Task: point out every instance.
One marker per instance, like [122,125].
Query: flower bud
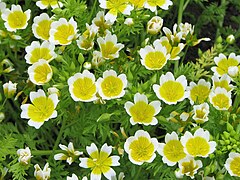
[219,39]
[9,89]
[42,174]
[87,65]
[154,25]
[24,155]
[53,90]
[230,39]
[2,116]
[129,21]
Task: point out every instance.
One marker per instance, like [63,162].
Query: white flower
[154,58]
[172,150]
[111,86]
[82,87]
[100,161]
[174,51]
[41,26]
[42,174]
[53,90]
[223,82]
[226,65]
[173,37]
[154,25]
[109,46]
[186,29]
[198,93]
[70,154]
[232,164]
[40,72]
[15,18]
[9,89]
[101,23]
[200,112]
[114,8]
[43,4]
[198,145]
[37,51]
[24,155]
[170,90]
[42,108]
[220,99]
[63,32]
[141,112]
[188,167]
[97,59]
[152,4]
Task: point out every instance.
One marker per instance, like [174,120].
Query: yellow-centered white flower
[15,18]
[141,112]
[189,167]
[100,161]
[41,26]
[63,32]
[220,99]
[170,90]
[198,93]
[232,164]
[111,86]
[42,108]
[24,156]
[141,147]
[74,177]
[37,51]
[153,4]
[230,65]
[82,87]
[115,7]
[109,46]
[223,82]
[70,155]
[172,150]
[42,174]
[40,72]
[154,58]
[44,4]
[200,113]
[198,145]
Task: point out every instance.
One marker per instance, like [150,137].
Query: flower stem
[93,8]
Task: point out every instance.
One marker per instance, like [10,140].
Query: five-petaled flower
[42,108]
[232,164]
[100,161]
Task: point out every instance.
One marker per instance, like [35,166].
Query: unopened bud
[154,25]
[230,39]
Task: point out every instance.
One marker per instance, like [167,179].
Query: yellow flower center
[63,33]
[112,86]
[40,53]
[108,50]
[172,91]
[41,73]
[100,163]
[155,60]
[142,149]
[84,88]
[49,2]
[142,112]
[173,150]
[223,84]
[156,2]
[199,93]
[41,109]
[17,19]
[224,64]
[197,146]
[235,166]
[43,29]
[188,167]
[221,101]
[137,3]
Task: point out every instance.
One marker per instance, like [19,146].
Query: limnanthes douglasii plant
[119,89]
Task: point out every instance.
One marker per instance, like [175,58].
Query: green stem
[4,102]
[59,137]
[185,5]
[220,23]
[93,8]
[236,102]
[138,173]
[45,152]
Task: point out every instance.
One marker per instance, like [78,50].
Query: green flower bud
[229,127]
[80,58]
[226,134]
[219,46]
[227,142]
[229,147]
[219,39]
